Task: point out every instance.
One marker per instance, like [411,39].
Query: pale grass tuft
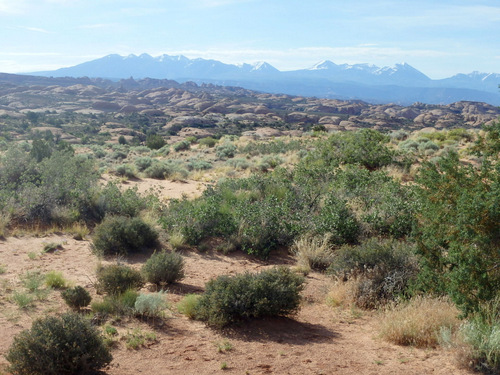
[197,175]
[176,240]
[313,252]
[79,231]
[419,322]
[342,294]
[396,172]
[151,219]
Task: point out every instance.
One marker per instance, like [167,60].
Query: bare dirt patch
[318,340]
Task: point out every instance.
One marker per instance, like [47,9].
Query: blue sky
[438,37]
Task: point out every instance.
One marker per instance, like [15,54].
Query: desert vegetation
[399,225]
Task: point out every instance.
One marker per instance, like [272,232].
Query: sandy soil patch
[318,340]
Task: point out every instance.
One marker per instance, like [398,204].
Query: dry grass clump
[419,322]
[313,252]
[342,294]
[4,224]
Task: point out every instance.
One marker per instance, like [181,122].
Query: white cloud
[11,6]
[37,30]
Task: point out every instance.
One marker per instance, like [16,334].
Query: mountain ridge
[401,83]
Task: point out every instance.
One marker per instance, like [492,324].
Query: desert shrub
[198,165]
[271,161]
[39,191]
[150,305]
[313,252]
[383,206]
[225,151]
[383,270]
[458,234]
[112,201]
[419,321]
[141,149]
[22,299]
[481,335]
[118,155]
[192,139]
[207,142]
[155,141]
[182,145]
[32,280]
[143,163]
[123,235]
[399,135]
[409,145]
[227,299]
[159,170]
[55,279]
[188,305]
[458,134]
[271,147]
[99,152]
[365,147]
[238,163]
[125,170]
[336,218]
[116,279]
[198,219]
[65,345]
[163,268]
[76,297]
[116,304]
[425,146]
[163,151]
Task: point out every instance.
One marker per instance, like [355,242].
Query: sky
[438,37]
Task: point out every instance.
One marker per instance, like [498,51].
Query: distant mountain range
[401,84]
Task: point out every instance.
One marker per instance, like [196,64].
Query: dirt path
[318,340]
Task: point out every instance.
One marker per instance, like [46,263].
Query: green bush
[336,218]
[65,345]
[55,279]
[123,235]
[458,234]
[482,333]
[198,165]
[238,163]
[125,170]
[365,147]
[76,297]
[207,142]
[121,304]
[155,141]
[182,145]
[384,270]
[158,170]
[143,163]
[150,305]
[188,305]
[225,151]
[112,201]
[116,279]
[163,268]
[227,299]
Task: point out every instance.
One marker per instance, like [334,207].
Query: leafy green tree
[40,150]
[155,141]
[459,232]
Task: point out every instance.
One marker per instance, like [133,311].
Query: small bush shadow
[280,330]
